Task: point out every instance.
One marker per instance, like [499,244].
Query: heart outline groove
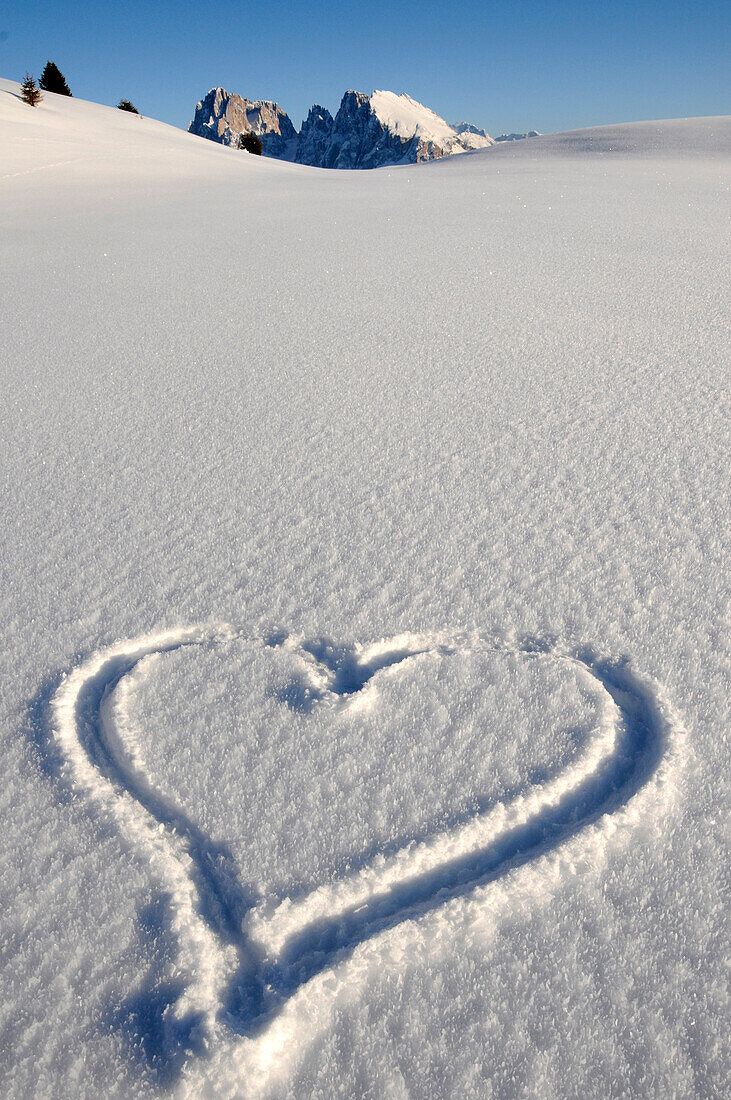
[244,963]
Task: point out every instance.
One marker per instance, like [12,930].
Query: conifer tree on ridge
[29,91]
[53,80]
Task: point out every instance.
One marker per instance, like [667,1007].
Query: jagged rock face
[353,139]
[314,137]
[367,131]
[223,118]
[381,129]
[359,139]
[349,143]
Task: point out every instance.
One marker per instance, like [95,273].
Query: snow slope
[364,696]
[407,118]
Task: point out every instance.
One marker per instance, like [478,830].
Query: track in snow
[245,963]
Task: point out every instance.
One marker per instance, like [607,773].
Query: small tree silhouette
[53,80]
[29,91]
[125,105]
[251,142]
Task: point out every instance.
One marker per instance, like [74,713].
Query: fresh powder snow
[364,698]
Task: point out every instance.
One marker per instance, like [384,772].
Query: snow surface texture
[443,811]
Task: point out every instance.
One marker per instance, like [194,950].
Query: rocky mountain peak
[368,131]
[223,118]
[314,137]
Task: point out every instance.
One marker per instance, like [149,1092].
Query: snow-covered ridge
[517,137]
[367,131]
[407,118]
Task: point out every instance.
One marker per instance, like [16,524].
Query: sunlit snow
[406,117]
[365,554]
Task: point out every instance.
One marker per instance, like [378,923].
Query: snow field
[485,397]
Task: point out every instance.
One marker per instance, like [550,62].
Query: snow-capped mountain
[518,137]
[466,130]
[472,137]
[368,131]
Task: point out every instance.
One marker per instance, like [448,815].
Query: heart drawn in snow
[244,957]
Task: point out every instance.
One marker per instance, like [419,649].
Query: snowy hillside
[364,688]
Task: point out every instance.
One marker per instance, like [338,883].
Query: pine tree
[251,142]
[29,91]
[53,80]
[125,105]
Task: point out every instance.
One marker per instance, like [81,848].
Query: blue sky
[503,65]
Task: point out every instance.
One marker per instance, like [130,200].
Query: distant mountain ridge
[518,137]
[368,131]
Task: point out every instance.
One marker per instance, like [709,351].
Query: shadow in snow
[223,901]
[157,1039]
[347,672]
[39,733]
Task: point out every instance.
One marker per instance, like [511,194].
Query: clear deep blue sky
[503,65]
